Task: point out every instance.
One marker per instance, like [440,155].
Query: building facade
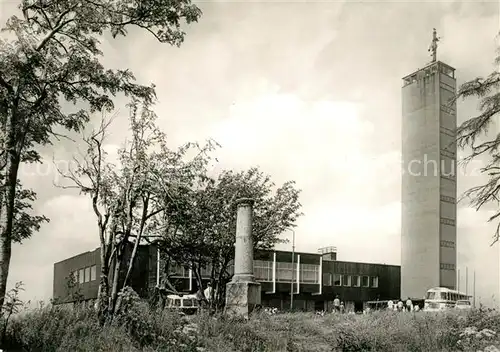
[78,276]
[429,181]
[317,278]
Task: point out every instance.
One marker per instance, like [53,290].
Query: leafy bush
[137,327]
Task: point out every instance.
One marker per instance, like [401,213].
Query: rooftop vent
[328,253]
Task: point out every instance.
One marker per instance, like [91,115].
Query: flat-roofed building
[317,278]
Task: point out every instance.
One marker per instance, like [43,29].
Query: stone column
[243,292]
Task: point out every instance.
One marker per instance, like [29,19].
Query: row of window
[447,87]
[285,271]
[448,153]
[447,221]
[263,271]
[447,109]
[445,266]
[85,275]
[448,199]
[181,271]
[448,244]
[429,72]
[350,280]
[447,71]
[447,131]
[449,176]
[309,273]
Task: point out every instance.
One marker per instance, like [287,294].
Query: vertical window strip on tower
[448,199]
[447,221]
[448,244]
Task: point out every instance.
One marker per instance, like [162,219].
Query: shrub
[137,327]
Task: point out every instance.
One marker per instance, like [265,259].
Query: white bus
[442,298]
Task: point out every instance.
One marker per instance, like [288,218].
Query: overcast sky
[309,92]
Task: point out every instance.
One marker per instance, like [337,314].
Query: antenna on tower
[433,47]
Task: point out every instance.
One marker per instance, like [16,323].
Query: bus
[442,298]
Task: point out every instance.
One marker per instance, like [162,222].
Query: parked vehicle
[187,304]
[463,304]
[442,298]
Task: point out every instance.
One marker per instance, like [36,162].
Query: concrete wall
[420,187]
[428,183]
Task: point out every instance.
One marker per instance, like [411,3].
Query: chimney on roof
[328,253]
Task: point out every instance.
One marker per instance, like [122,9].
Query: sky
[307,91]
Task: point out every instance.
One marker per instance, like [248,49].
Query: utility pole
[467,281]
[293,269]
[474,291]
[458,280]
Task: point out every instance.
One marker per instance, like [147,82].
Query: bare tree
[93,175]
[127,198]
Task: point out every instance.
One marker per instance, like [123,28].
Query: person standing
[336,304]
[400,305]
[208,292]
[409,305]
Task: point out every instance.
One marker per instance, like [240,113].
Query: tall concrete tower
[429,182]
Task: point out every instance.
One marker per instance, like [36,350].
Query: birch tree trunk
[7,197]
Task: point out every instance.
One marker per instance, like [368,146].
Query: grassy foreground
[142,329]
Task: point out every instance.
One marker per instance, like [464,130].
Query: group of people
[338,305]
[403,307]
[398,306]
[204,297]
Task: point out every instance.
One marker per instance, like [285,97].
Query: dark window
[447,221]
[448,244]
[87,274]
[327,279]
[356,281]
[81,276]
[93,273]
[446,266]
[365,281]
[263,270]
[448,199]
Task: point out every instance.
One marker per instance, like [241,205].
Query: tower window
[445,266]
[448,199]
[448,244]
[447,221]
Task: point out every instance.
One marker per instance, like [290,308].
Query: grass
[143,329]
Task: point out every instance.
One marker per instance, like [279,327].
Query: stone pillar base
[242,297]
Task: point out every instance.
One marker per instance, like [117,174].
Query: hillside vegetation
[141,328]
